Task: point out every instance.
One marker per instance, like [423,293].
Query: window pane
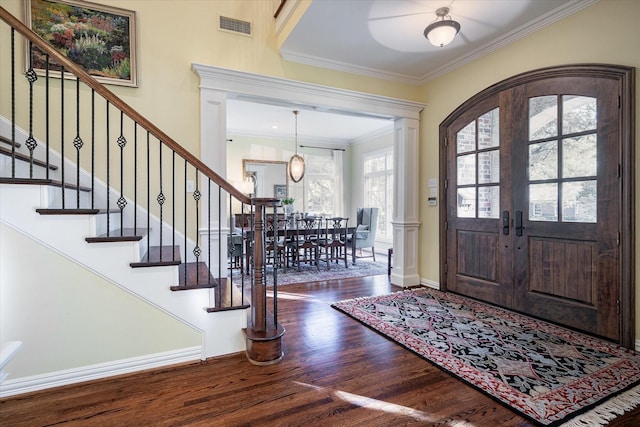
[543,117]
[374,164]
[467,169]
[579,201]
[579,114]
[543,160]
[489,129]
[489,202]
[466,202]
[579,156]
[489,167]
[543,202]
[466,138]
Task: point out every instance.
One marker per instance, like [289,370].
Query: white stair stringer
[65,234]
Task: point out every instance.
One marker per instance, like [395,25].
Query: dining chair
[304,246]
[275,241]
[333,244]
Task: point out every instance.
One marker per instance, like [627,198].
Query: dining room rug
[549,374]
[309,273]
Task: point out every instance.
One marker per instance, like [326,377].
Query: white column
[405,218]
[213,152]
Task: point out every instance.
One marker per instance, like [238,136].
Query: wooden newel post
[263,335]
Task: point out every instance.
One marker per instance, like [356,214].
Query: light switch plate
[433,182]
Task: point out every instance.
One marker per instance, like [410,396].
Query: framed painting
[279,191]
[100,39]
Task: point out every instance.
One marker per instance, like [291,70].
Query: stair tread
[229,297]
[26,158]
[159,256]
[8,141]
[43,181]
[49,211]
[197,276]
[119,235]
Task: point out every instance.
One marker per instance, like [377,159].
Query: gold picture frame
[100,39]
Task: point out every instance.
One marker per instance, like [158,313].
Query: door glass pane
[467,169]
[489,167]
[543,117]
[467,202]
[466,138]
[579,201]
[489,202]
[543,160]
[579,156]
[489,129]
[579,114]
[543,202]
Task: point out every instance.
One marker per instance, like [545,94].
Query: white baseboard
[430,283]
[637,344]
[102,370]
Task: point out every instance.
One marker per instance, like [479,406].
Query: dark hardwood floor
[336,372]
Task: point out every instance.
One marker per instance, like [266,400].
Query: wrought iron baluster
[108,176]
[135,178]
[148,193]
[13,103]
[173,208]
[93,148]
[78,143]
[211,293]
[161,197]
[122,142]
[46,82]
[185,225]
[31,141]
[196,250]
[62,162]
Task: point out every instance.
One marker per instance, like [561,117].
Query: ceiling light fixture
[441,33]
[296,162]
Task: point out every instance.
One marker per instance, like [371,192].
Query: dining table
[289,232]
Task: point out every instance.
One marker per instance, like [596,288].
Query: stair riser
[22,169]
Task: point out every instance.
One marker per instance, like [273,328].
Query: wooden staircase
[191,275]
[143,229]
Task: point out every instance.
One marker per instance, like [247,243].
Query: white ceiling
[384,39]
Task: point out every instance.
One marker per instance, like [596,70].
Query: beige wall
[69,317]
[174,34]
[572,40]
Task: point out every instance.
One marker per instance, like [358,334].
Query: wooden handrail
[120,104]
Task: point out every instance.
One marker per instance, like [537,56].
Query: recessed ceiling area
[384,39]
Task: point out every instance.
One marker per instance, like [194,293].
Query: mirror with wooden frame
[269,177]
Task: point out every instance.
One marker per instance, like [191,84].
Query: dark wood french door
[535,201]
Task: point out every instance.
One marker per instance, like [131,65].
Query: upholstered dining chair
[365,234]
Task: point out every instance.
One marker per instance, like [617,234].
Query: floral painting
[98,38]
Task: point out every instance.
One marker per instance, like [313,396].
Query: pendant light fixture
[296,162]
[441,33]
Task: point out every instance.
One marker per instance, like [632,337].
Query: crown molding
[307,94]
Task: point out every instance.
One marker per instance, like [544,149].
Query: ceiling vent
[235,25]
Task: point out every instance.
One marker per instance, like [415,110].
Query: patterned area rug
[309,273]
[547,373]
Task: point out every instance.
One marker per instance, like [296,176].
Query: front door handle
[505,223]
[519,226]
